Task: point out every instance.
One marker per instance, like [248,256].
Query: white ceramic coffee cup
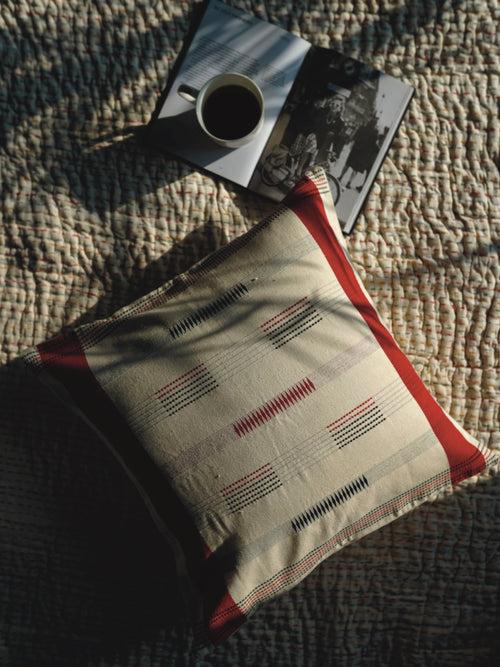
[199,97]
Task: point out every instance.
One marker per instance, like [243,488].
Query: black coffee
[231,112]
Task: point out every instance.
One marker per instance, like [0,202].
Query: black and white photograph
[341,114]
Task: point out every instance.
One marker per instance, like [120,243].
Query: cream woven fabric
[270,397]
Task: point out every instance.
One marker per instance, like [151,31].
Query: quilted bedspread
[91,219]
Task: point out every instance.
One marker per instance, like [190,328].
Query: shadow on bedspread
[88,578]
[85,577]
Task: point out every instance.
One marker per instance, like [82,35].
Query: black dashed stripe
[329,503]
[292,321]
[259,487]
[210,310]
[201,393]
[181,392]
[297,331]
[357,422]
[193,390]
[95,334]
[184,396]
[360,433]
[359,428]
[257,496]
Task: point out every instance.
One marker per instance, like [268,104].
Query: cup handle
[188,93]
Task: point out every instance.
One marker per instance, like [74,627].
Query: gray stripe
[230,554]
[198,453]
[403,456]
[246,352]
[320,445]
[344,361]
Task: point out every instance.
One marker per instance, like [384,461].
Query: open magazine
[320,107]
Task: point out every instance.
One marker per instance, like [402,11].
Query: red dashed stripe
[284,314]
[297,570]
[278,404]
[293,572]
[247,479]
[308,206]
[355,412]
[182,379]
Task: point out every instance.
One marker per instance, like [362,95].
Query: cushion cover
[264,411]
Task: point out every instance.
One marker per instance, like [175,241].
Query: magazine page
[228,40]
[341,114]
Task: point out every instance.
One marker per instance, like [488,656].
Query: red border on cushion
[305,201]
[64,358]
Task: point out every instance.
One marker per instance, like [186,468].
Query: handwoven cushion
[264,410]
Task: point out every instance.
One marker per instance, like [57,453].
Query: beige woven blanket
[90,219]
